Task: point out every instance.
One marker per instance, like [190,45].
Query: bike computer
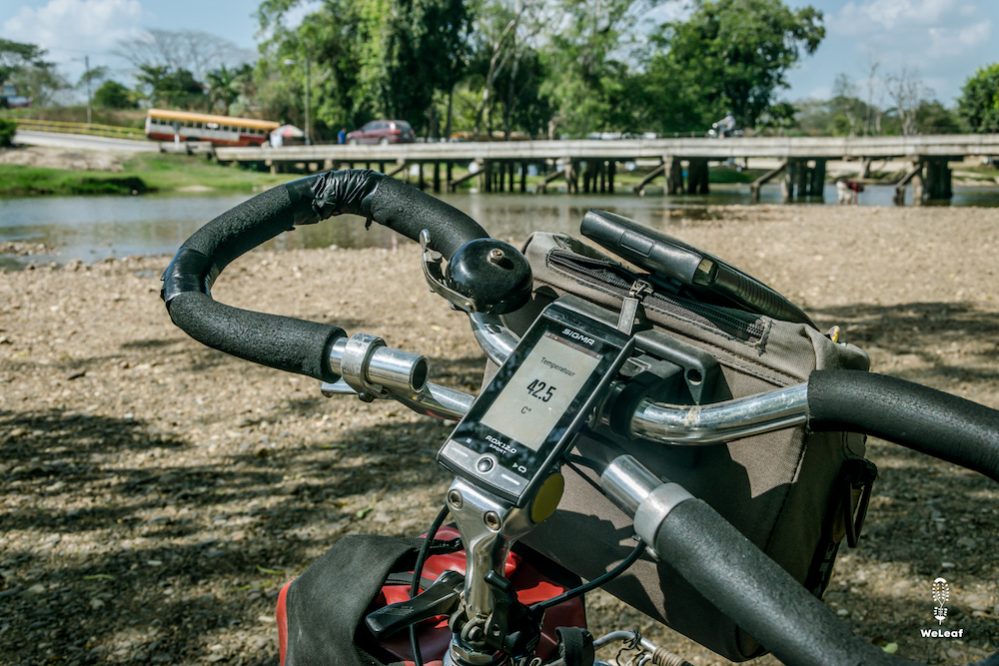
[528,415]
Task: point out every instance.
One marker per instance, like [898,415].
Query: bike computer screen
[525,419]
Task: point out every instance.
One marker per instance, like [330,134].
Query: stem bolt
[454,499]
[492,520]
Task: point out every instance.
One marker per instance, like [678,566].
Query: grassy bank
[139,175]
[150,173]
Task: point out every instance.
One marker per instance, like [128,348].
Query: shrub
[7,129]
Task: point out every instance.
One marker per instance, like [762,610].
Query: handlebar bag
[791,492]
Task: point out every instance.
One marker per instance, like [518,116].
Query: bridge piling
[663,168]
[754,188]
[697,176]
[674,175]
[803,178]
[931,178]
[938,180]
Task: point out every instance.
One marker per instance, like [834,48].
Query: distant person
[341,136]
[725,127]
[848,191]
[277,140]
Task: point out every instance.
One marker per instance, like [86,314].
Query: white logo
[576,335]
[941,595]
[940,590]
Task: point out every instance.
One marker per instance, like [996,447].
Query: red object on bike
[434,636]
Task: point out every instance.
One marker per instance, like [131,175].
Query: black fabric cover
[286,343]
[758,594]
[326,604]
[924,419]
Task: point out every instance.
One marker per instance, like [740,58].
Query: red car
[383,131]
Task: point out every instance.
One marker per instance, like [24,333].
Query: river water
[94,228]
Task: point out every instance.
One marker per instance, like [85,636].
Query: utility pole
[86,69]
[308,100]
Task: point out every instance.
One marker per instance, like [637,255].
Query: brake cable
[600,580]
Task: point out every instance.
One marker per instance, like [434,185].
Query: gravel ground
[64,158]
[156,494]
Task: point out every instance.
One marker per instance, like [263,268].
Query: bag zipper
[748,327]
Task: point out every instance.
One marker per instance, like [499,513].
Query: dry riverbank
[156,494]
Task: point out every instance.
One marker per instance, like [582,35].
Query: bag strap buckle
[860,477]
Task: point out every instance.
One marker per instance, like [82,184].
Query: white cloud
[76,26]
[865,17]
[957,41]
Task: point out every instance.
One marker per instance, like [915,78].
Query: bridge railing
[734,148]
[89,129]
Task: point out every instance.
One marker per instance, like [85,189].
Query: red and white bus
[166,125]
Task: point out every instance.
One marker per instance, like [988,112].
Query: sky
[944,40]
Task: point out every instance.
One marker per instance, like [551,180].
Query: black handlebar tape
[915,416]
[396,205]
[756,593]
[287,343]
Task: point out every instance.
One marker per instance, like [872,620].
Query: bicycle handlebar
[731,572]
[286,343]
[762,598]
[918,417]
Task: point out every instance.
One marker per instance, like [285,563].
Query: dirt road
[156,494]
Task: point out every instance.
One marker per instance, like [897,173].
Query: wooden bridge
[682,163]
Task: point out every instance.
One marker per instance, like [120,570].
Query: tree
[979,102]
[24,66]
[587,76]
[225,85]
[113,95]
[15,56]
[907,91]
[196,51]
[368,58]
[176,88]
[932,117]
[729,56]
[92,76]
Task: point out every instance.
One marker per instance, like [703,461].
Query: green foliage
[729,56]
[113,95]
[145,173]
[367,59]
[174,88]
[226,85]
[932,117]
[22,180]
[15,56]
[979,102]
[846,115]
[24,66]
[534,66]
[7,130]
[589,85]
